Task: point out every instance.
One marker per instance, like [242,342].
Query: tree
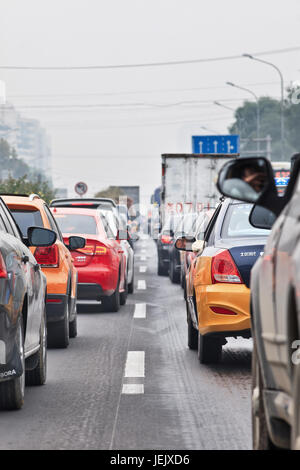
[270,109]
[23,185]
[10,162]
[112,192]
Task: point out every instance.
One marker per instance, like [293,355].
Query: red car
[101,264]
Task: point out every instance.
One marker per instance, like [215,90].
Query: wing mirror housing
[198,246]
[38,236]
[184,243]
[75,243]
[250,180]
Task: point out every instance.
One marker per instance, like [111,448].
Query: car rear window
[236,223]
[26,219]
[77,223]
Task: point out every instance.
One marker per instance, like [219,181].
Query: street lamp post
[257,110]
[249,56]
[239,119]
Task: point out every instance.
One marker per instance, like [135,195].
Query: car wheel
[209,349]
[73,325]
[192,334]
[112,303]
[173,275]
[131,284]
[58,332]
[161,269]
[260,434]
[123,295]
[12,391]
[37,376]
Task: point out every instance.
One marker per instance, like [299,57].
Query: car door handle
[25,259]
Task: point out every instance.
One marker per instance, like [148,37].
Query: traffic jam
[149,228]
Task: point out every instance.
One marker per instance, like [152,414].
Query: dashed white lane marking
[143,269]
[143,258]
[143,252]
[141,285]
[132,389]
[140,311]
[135,364]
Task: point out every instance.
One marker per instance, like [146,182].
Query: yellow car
[218,294]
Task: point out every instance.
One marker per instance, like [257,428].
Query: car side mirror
[184,243]
[123,235]
[198,246]
[38,236]
[75,243]
[246,179]
[260,217]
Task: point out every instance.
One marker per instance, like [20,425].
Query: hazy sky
[120,142]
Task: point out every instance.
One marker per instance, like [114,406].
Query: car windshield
[236,223]
[26,219]
[77,223]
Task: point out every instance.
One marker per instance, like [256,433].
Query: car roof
[74,210]
[32,200]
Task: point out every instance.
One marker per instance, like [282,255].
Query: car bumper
[55,307]
[86,291]
[229,296]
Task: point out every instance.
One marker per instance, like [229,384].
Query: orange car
[57,264]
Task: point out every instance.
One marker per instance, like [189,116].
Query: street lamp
[239,119]
[249,56]
[257,109]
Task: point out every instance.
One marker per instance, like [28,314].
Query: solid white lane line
[135,364]
[132,389]
[140,311]
[141,285]
[143,269]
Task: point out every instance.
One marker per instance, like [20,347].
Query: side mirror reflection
[38,236]
[245,179]
[185,243]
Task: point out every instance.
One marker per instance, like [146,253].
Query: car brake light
[47,256]
[3,272]
[95,249]
[222,311]
[223,269]
[166,239]
[87,250]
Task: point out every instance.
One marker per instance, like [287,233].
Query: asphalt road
[128,381]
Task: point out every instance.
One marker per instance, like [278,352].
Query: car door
[35,288]
[288,240]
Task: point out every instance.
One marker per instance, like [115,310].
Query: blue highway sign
[218,144]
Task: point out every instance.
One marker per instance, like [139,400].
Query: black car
[165,238]
[23,335]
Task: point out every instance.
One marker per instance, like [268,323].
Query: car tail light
[223,269]
[222,311]
[166,239]
[47,256]
[96,249]
[3,272]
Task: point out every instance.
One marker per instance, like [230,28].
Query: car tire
[112,303]
[192,334]
[37,376]
[161,270]
[209,349]
[173,275]
[131,284]
[260,434]
[123,295]
[73,325]
[12,391]
[58,332]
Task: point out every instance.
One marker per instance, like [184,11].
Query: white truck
[189,182]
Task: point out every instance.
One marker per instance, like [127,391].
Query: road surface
[128,381]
